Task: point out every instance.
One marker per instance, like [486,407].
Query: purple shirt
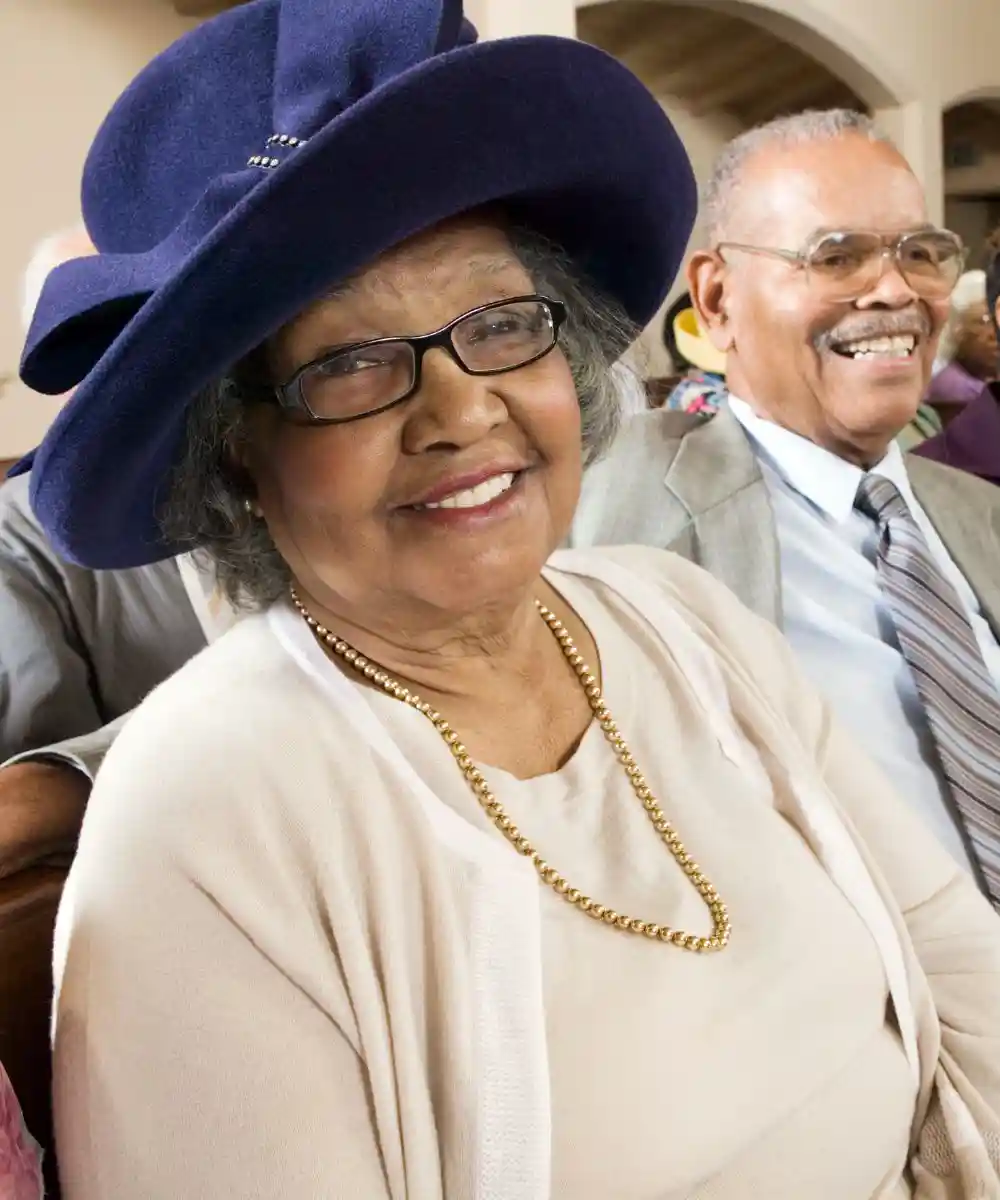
[971,440]
[953,385]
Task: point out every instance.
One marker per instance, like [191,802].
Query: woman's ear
[706,276]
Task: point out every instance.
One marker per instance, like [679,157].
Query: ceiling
[714,62]
[711,61]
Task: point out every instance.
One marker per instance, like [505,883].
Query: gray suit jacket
[78,648]
[692,484]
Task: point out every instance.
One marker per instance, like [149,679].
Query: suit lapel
[969,525]
[715,476]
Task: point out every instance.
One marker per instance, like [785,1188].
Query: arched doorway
[711,62]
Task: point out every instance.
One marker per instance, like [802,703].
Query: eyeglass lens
[500,338]
[848,264]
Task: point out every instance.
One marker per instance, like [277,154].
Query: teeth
[482,493]
[898,346]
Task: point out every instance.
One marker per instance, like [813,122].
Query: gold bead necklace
[721,927]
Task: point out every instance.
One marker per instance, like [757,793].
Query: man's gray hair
[797,129]
[207,509]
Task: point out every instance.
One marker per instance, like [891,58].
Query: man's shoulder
[939,485]
[655,433]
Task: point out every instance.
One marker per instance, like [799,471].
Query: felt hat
[281,147]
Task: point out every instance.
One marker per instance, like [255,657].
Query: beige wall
[704,137]
[63,64]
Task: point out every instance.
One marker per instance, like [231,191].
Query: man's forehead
[793,192]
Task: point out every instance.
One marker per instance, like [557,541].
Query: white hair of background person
[970,290]
[51,252]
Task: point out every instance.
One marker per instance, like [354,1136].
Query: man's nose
[892,289]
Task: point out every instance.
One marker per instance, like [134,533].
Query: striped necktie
[960,699]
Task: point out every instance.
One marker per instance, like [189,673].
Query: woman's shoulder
[648,581]
[238,700]
[673,578]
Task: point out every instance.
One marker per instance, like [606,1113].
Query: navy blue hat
[281,147]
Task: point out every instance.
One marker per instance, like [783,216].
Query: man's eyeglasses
[368,377]
[847,264]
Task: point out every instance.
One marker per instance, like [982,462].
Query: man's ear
[706,276]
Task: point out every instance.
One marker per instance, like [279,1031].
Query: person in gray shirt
[78,650]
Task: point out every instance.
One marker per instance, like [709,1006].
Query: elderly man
[827,287]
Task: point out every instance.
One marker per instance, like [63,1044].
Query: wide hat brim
[560,134]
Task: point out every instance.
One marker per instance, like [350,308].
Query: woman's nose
[452,409]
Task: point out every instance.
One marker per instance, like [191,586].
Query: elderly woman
[461,868]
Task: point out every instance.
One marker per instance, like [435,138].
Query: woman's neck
[442,655]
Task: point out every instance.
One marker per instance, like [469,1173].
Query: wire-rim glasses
[845,264]
[365,378]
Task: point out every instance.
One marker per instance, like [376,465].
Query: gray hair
[207,510]
[797,129]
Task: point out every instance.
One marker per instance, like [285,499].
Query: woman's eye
[500,325]
[352,364]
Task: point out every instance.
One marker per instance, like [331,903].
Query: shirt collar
[826,481]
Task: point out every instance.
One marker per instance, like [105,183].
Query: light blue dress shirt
[837,619]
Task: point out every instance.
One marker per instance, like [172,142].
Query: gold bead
[610,916]
[573,895]
[598,911]
[584,902]
[351,655]
[652,930]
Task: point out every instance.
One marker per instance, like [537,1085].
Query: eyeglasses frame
[890,250]
[290,397]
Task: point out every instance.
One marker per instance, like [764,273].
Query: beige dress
[779,1046]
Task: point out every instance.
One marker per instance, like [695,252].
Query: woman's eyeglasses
[847,264]
[368,377]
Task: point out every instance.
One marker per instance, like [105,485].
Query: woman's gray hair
[209,507]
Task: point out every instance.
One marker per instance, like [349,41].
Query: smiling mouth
[475,497]
[896,346]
